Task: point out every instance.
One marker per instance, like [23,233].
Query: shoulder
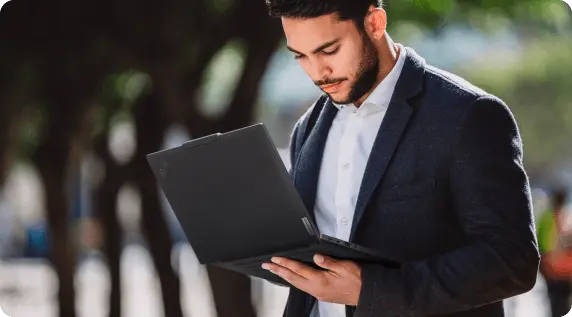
[457,95]
[451,89]
[438,78]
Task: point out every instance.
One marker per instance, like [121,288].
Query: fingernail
[318,258]
[276,260]
[266,267]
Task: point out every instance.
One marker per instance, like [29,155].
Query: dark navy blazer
[444,192]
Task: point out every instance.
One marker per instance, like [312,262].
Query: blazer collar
[394,124]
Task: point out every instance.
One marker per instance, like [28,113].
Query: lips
[331,88]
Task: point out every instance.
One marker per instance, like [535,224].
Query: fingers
[330,264]
[285,273]
[296,267]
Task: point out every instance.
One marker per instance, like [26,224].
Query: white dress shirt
[347,150]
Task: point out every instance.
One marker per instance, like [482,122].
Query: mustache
[329,81]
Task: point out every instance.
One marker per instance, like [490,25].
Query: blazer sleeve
[491,195]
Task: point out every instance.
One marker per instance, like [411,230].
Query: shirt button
[345,221]
[346,166]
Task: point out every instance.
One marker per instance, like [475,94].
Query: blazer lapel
[392,128]
[307,169]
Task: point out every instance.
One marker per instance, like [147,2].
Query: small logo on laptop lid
[163,169]
[308,226]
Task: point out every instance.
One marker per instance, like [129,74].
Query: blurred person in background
[554,241]
[408,160]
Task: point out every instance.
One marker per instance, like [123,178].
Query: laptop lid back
[233,195]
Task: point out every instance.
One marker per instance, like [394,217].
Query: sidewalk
[27,289]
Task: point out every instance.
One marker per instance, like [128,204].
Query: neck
[388,55]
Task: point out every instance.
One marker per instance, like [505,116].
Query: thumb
[328,263]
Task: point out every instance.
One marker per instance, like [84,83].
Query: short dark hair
[305,9]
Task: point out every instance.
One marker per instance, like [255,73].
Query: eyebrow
[318,49]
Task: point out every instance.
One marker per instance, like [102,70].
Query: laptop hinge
[202,141]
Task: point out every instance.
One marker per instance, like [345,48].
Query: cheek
[346,64]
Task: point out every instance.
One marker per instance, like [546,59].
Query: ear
[376,22]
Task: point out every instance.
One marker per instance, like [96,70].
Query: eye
[331,52]
[298,56]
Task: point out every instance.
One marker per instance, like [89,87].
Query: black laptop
[238,207]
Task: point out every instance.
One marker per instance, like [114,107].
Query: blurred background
[88,88]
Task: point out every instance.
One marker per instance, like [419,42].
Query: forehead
[306,34]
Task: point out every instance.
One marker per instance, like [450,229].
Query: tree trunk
[6,127]
[51,160]
[106,210]
[113,239]
[11,100]
[150,129]
[57,154]
[232,293]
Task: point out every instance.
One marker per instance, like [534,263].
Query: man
[408,160]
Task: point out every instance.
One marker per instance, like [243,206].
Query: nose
[318,70]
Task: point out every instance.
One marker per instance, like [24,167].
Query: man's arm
[491,195]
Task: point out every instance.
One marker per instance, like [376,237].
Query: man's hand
[340,283]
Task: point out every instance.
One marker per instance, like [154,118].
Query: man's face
[341,59]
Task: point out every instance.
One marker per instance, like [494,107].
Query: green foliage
[219,7]
[128,85]
[118,94]
[222,77]
[433,14]
[532,86]
[31,130]
[552,13]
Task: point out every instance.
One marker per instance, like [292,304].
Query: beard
[367,71]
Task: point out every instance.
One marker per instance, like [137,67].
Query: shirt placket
[345,174]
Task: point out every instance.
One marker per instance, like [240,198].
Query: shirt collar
[381,96]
